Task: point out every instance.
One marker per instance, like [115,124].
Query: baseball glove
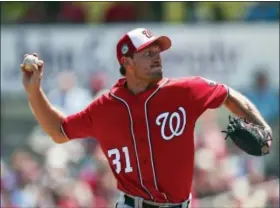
[251,138]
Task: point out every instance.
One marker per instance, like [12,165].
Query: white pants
[138,202]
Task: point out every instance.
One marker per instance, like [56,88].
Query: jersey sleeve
[82,124]
[207,94]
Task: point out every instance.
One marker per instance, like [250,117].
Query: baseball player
[145,123]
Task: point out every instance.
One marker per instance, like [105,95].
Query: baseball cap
[137,40]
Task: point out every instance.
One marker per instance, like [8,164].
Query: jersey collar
[120,90]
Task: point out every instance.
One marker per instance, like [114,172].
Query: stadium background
[236,43]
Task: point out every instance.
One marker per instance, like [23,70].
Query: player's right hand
[32,79]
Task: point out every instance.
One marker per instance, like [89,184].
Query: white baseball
[28,61]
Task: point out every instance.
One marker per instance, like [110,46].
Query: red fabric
[119,12]
[85,123]
[162,145]
[71,12]
[206,93]
[125,40]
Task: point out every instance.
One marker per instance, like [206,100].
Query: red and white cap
[137,40]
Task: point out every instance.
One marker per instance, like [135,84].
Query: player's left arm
[241,106]
[208,94]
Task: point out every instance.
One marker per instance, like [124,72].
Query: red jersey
[148,138]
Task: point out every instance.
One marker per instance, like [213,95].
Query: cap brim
[164,43]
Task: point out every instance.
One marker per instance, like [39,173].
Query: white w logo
[176,128]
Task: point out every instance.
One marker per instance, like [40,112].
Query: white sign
[224,53]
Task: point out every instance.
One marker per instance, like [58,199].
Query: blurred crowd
[151,11]
[76,174]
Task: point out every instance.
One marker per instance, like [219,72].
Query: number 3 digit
[117,162]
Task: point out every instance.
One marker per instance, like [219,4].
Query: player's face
[147,63]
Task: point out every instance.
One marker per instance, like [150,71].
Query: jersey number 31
[117,156]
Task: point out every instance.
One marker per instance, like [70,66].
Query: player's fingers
[26,74]
[36,72]
[40,65]
[35,54]
[269,143]
[34,67]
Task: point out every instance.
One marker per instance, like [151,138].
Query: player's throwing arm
[48,117]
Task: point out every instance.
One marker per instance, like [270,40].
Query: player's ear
[126,62]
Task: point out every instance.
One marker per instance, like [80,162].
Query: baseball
[28,61]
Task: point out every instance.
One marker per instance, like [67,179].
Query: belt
[130,202]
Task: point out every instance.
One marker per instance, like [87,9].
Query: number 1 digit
[127,160]
[117,161]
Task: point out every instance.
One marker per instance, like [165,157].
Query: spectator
[97,83]
[71,12]
[264,96]
[121,12]
[68,96]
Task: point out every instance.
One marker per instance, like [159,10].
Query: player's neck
[138,86]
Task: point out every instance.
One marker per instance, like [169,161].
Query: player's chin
[156,72]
